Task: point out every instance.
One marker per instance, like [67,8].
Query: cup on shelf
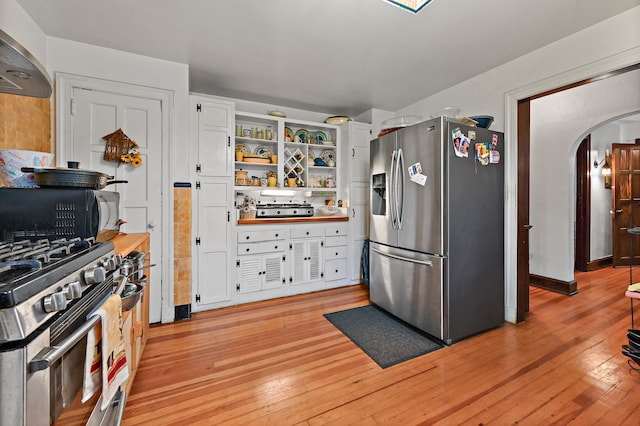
[272,181]
[274,158]
[239,156]
[238,129]
[291,182]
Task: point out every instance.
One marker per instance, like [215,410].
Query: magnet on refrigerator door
[415,174]
[461,146]
[482,153]
[494,156]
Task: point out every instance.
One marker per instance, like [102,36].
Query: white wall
[600,231]
[608,45]
[97,62]
[559,123]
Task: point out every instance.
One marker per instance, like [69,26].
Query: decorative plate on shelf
[319,137]
[263,151]
[288,135]
[240,147]
[302,136]
[328,156]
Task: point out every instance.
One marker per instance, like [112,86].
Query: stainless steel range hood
[20,71]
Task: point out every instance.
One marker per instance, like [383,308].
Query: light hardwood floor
[281,362]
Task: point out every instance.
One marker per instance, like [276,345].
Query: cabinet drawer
[262,247]
[338,229]
[335,241]
[335,269]
[257,236]
[331,253]
[307,232]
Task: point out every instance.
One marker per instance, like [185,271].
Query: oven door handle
[51,354]
[48,356]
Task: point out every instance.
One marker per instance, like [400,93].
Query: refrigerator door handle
[406,259]
[400,181]
[392,203]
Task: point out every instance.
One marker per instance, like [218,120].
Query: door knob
[152,225]
[618,211]
[528,227]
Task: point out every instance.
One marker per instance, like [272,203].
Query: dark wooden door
[523,210]
[583,205]
[625,171]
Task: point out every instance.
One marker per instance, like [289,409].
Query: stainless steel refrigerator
[436,251]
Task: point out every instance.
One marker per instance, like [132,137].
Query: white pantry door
[95,114]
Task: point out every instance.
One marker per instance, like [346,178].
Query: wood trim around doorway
[568,288]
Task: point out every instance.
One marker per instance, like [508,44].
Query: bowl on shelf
[484,121]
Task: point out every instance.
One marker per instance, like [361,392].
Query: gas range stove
[39,279]
[283,210]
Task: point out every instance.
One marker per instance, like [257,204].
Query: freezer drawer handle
[407,259]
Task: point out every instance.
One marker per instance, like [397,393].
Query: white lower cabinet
[262,260]
[335,253]
[261,272]
[306,254]
[281,260]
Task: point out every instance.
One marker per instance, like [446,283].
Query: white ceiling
[335,56]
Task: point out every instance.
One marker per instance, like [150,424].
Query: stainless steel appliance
[437,227]
[283,210]
[48,288]
[38,213]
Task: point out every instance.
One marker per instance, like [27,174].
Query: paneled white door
[95,114]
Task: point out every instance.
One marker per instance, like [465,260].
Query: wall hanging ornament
[121,149]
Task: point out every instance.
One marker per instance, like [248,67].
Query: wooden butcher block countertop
[313,219]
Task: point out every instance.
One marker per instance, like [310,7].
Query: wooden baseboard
[568,288]
[603,262]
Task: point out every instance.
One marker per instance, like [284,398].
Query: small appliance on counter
[52,213]
[283,210]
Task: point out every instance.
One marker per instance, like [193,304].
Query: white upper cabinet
[214,148]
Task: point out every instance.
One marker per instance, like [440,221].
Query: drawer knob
[277,235]
[247,237]
[307,232]
[247,250]
[336,253]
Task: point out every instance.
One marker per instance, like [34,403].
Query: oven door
[64,360]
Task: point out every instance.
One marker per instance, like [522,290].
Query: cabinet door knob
[247,237]
[276,247]
[336,253]
[307,232]
[353,152]
[277,235]
[247,250]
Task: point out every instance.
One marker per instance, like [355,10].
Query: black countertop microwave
[52,213]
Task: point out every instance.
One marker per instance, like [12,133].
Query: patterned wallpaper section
[25,123]
[182,245]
